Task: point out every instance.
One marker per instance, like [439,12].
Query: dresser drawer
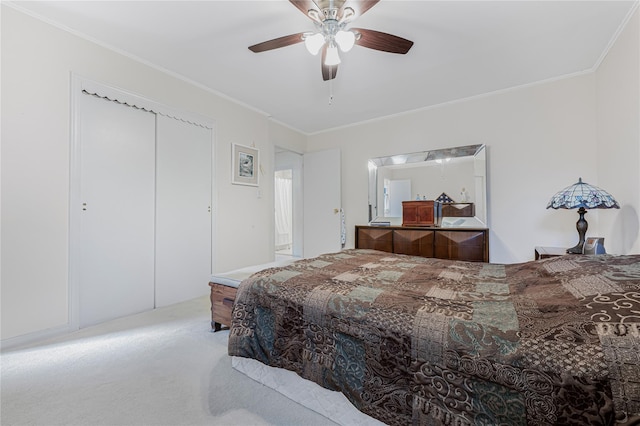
[380,238]
[461,245]
[413,242]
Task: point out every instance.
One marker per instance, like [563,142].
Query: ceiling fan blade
[305,5]
[328,71]
[359,7]
[277,43]
[382,41]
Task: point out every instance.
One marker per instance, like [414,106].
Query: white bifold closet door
[183,211]
[145,226]
[117,190]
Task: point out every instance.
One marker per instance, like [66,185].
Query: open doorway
[283,193]
[288,203]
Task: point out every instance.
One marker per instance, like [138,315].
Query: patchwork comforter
[411,340]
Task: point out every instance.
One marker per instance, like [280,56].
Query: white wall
[618,100]
[286,138]
[37,62]
[540,139]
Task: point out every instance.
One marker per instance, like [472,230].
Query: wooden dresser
[470,244]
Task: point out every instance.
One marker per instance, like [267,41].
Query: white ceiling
[461,49]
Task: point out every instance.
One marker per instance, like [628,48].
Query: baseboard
[35,337]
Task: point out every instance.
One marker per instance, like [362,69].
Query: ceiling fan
[331,18]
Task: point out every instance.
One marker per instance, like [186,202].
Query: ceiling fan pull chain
[331,88]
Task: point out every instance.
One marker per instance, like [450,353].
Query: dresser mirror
[458,175]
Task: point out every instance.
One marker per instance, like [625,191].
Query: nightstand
[547,252]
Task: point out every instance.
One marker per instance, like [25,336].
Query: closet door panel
[183,216]
[116,271]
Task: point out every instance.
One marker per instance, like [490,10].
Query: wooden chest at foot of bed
[225,286]
[222,297]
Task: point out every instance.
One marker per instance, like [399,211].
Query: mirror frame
[476,151]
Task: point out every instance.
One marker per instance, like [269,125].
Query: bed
[412,340]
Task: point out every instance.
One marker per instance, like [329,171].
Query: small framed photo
[245,165]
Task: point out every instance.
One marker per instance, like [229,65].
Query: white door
[116,241]
[322,218]
[183,211]
[399,190]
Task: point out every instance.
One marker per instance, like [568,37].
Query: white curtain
[283,208]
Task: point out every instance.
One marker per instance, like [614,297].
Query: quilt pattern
[412,340]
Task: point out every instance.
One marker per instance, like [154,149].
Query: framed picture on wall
[245,165]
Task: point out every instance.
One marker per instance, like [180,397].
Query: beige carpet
[163,367]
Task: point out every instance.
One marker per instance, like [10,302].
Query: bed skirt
[333,405]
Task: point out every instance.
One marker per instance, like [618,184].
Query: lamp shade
[345,40]
[332,57]
[313,42]
[581,194]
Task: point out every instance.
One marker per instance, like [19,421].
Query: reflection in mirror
[457,176]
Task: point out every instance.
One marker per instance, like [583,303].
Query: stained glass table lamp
[582,196]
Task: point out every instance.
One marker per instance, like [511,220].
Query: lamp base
[581,226]
[577,249]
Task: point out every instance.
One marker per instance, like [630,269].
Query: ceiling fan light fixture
[313,42]
[332,57]
[314,15]
[347,14]
[331,18]
[345,40]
